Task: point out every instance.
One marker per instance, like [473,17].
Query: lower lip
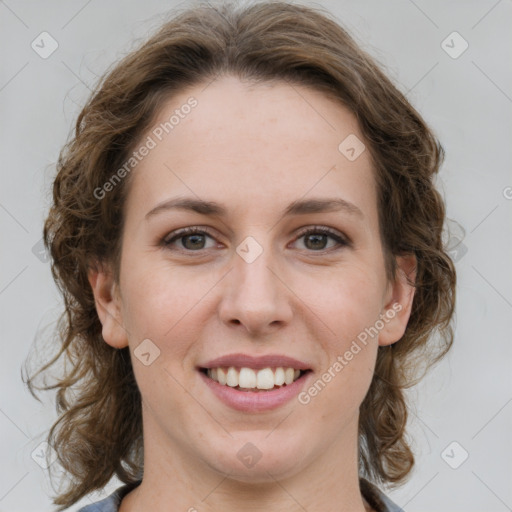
[255,401]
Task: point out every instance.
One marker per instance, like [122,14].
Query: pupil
[197,241]
[317,238]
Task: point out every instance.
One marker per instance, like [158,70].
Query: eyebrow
[298,207]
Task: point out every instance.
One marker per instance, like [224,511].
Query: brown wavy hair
[98,433]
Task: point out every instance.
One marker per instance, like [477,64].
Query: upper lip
[259,362]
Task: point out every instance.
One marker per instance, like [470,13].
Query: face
[284,268]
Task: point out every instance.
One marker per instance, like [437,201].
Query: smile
[249,379]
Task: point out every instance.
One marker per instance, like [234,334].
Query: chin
[259,461]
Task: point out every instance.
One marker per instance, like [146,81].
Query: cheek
[156,295]
[346,301]
[349,304]
[157,303]
[342,392]
[347,372]
[157,309]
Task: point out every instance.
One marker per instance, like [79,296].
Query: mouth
[255,384]
[254,380]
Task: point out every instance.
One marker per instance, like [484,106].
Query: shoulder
[376,498]
[110,503]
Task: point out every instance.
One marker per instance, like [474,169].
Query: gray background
[468,102]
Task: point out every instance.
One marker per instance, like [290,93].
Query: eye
[194,239]
[317,238]
[190,239]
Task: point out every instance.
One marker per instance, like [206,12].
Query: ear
[398,301]
[108,305]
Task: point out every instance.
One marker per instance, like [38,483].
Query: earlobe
[108,306]
[399,301]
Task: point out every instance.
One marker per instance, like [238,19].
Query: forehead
[272,142]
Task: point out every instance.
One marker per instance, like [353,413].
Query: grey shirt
[374,496]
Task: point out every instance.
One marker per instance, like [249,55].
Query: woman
[248,241]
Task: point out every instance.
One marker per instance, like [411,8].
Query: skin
[254,149]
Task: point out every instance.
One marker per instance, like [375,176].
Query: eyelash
[182,233]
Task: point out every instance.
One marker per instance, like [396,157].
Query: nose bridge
[252,279]
[255,297]
[255,275]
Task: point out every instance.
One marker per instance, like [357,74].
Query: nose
[256,296]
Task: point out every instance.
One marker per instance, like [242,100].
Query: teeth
[232,377]
[265,379]
[247,378]
[220,377]
[279,377]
